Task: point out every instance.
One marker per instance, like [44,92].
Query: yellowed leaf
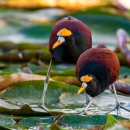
[7,80]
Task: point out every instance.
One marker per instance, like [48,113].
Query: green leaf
[24,97]
[20,109]
[124,71]
[68,72]
[55,127]
[12,70]
[78,121]
[34,67]
[36,121]
[6,122]
[74,121]
[27,95]
[67,79]
[72,100]
[105,102]
[119,117]
[113,124]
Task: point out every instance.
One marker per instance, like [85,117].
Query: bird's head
[86,80]
[63,35]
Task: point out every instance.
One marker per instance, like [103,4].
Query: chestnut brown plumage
[75,44]
[68,39]
[97,68]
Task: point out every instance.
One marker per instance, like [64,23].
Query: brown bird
[68,39]
[97,69]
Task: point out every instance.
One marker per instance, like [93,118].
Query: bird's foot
[83,112]
[125,108]
[57,118]
[40,105]
[118,106]
[57,121]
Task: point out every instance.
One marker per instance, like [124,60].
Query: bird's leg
[118,106]
[117,101]
[45,86]
[87,99]
[57,118]
[88,105]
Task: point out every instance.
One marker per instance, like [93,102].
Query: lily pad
[104,103]
[124,71]
[6,122]
[72,121]
[67,79]
[113,124]
[35,121]
[72,101]
[24,97]
[23,93]
[123,86]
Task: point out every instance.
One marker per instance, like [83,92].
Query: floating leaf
[6,122]
[8,80]
[125,123]
[104,103]
[113,124]
[34,67]
[79,122]
[68,72]
[73,121]
[30,92]
[72,100]
[35,121]
[122,60]
[55,127]
[122,38]
[67,79]
[123,85]
[124,71]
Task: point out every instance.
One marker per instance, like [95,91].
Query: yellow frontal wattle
[86,78]
[64,32]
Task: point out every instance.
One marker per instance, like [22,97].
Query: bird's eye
[67,37]
[90,81]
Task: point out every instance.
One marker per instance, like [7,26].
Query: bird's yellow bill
[64,32]
[81,89]
[56,44]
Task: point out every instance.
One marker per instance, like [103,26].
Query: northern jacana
[97,69]
[69,38]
